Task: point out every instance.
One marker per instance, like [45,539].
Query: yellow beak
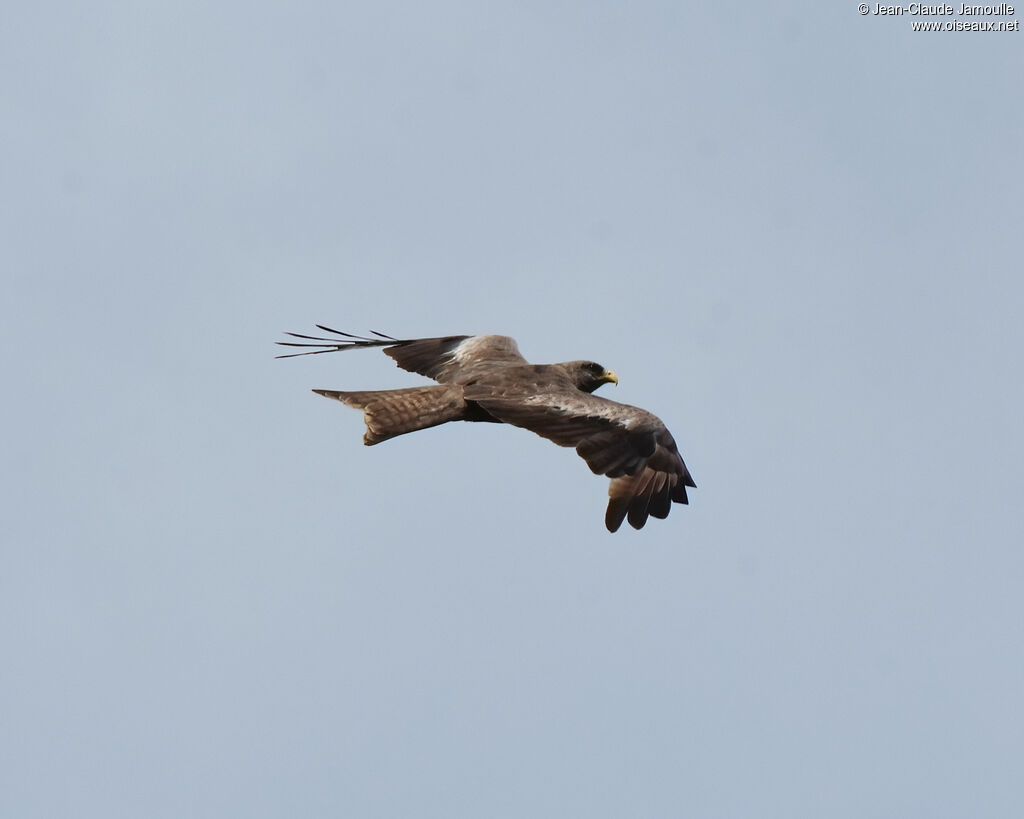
[611,377]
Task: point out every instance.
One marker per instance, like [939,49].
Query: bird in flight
[484,378]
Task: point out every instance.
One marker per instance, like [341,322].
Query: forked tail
[389,413]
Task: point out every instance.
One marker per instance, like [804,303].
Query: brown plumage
[484,378]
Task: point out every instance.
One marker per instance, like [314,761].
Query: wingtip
[614,516]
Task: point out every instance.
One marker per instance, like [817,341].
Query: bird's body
[485,378]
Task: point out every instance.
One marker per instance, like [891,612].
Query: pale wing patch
[606,411]
[477,348]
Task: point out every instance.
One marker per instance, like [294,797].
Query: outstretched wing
[629,445]
[447,359]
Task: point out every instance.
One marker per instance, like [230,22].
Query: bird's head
[589,375]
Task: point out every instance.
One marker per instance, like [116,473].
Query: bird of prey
[484,378]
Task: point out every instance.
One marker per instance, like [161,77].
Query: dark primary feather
[484,378]
[335,345]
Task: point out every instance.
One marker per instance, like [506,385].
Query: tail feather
[389,413]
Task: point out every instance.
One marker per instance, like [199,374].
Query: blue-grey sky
[792,229]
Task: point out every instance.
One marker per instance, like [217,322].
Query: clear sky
[792,229]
